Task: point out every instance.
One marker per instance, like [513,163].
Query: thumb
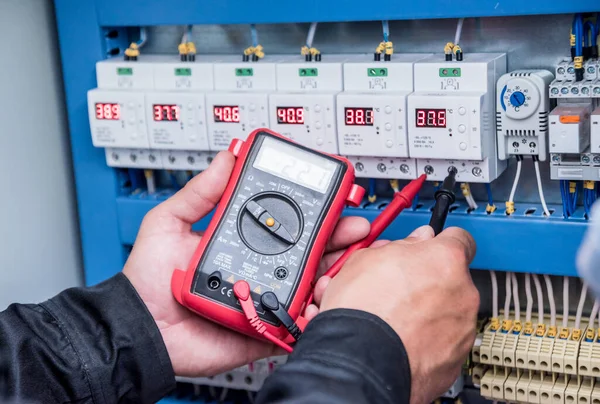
[422,233]
[202,193]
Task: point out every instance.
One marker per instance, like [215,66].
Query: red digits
[176,111]
[235,114]
[300,114]
[420,118]
[442,118]
[431,121]
[281,115]
[157,113]
[99,111]
[370,117]
[360,117]
[107,111]
[116,111]
[349,117]
[291,115]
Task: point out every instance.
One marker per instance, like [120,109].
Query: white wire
[594,314]
[565,321]
[151,185]
[471,202]
[459,28]
[551,300]
[540,189]
[223,394]
[582,298]
[513,191]
[311,34]
[540,297]
[508,295]
[494,280]
[529,297]
[515,286]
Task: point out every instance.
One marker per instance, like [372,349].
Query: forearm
[344,356]
[96,344]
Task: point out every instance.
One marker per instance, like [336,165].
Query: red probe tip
[410,191]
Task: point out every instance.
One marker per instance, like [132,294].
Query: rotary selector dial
[270,223]
[520,98]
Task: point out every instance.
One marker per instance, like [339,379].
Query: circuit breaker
[117,118]
[306,92]
[134,158]
[171,74]
[371,115]
[451,117]
[117,74]
[176,121]
[239,103]
[522,110]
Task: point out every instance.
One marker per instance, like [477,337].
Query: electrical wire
[150,184]
[223,395]
[551,301]
[254,35]
[311,34]
[578,35]
[565,321]
[386,30]
[372,190]
[536,163]
[529,297]
[459,27]
[594,314]
[143,37]
[133,179]
[173,179]
[508,295]
[589,33]
[415,202]
[494,281]
[515,286]
[513,191]
[582,298]
[488,189]
[540,297]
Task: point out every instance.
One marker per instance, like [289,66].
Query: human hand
[422,288]
[196,346]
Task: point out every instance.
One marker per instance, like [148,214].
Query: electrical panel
[522,112]
[186,159]
[134,158]
[450,117]
[372,119]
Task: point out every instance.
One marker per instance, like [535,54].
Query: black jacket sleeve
[86,345]
[344,356]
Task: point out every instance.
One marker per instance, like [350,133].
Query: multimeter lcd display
[226,113]
[359,116]
[165,113]
[295,165]
[431,118]
[290,115]
[108,112]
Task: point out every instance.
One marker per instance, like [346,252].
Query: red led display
[359,116]
[110,112]
[290,115]
[168,113]
[431,118]
[226,113]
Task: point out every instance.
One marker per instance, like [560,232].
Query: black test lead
[444,198]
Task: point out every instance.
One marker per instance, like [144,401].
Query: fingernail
[422,233]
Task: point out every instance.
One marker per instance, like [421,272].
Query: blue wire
[189,33]
[573,199]
[174,182]
[254,34]
[415,202]
[564,199]
[143,37]
[587,27]
[578,35]
[488,188]
[386,30]
[372,185]
[133,178]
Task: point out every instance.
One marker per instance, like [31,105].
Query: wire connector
[589,185]
[506,326]
[372,198]
[449,51]
[494,324]
[395,185]
[576,336]
[552,331]
[510,208]
[517,327]
[528,328]
[540,331]
[590,334]
[133,52]
[564,333]
[490,208]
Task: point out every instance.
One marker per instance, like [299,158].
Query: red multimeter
[268,234]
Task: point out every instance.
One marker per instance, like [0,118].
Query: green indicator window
[312,72]
[124,71]
[244,72]
[450,72]
[377,72]
[183,71]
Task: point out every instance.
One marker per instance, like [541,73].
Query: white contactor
[522,110]
[176,121]
[371,115]
[303,108]
[239,103]
[451,117]
[117,119]
[570,128]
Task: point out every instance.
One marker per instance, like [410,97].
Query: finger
[329,259]
[202,193]
[458,235]
[420,234]
[320,287]
[311,312]
[348,230]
